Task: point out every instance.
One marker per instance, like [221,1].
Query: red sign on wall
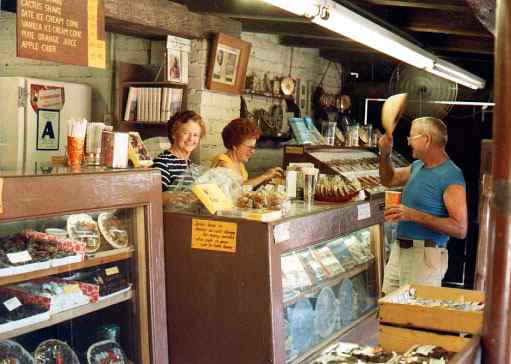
[65,31]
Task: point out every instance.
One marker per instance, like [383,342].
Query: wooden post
[485,231]
[497,333]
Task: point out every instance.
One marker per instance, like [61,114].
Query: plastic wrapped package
[12,352]
[228,181]
[326,312]
[55,352]
[106,352]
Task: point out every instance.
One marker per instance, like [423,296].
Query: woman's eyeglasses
[249,147]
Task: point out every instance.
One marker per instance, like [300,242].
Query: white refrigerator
[33,119]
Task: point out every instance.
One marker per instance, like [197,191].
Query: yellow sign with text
[214,235]
[1,196]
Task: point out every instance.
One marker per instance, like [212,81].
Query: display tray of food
[426,354]
[348,353]
[434,308]
[82,227]
[16,312]
[113,229]
[30,250]
[336,189]
[107,280]
[62,251]
[55,294]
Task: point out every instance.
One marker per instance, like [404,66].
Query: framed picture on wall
[228,64]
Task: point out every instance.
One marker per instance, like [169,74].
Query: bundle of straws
[77,128]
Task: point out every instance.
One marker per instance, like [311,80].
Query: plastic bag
[227,180]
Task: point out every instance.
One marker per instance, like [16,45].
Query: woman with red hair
[240,137]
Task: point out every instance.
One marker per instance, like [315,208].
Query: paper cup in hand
[391,111]
[392,198]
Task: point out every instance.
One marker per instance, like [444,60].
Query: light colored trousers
[426,266]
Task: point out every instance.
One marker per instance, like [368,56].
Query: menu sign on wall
[65,31]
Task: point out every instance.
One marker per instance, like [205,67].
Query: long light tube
[346,22]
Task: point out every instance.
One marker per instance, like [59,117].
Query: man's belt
[407,244]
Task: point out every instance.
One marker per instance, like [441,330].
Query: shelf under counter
[330,282]
[70,314]
[99,258]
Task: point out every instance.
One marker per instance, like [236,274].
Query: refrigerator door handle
[22,96]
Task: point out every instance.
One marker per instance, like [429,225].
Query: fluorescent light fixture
[346,22]
[454,73]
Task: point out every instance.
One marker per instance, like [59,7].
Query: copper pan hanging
[287,84]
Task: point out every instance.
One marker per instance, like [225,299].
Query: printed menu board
[65,31]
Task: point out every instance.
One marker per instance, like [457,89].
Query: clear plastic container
[328,131]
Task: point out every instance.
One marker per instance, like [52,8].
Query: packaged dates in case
[82,227]
[106,352]
[12,352]
[114,229]
[55,352]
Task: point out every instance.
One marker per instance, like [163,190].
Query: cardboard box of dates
[415,314]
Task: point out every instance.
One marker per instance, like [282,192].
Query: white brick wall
[267,56]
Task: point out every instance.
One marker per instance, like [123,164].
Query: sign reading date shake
[64,31]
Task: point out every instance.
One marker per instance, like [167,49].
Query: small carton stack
[416,314]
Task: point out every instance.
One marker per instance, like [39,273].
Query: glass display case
[255,292]
[327,287]
[78,272]
[353,163]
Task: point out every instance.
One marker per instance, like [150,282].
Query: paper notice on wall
[1,196]
[97,47]
[50,99]
[214,235]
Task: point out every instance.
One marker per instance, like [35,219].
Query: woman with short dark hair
[240,137]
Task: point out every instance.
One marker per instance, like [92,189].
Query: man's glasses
[410,138]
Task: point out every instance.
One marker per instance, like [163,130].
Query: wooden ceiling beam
[319,43]
[442,44]
[286,28]
[336,55]
[448,5]
[444,22]
[463,45]
[235,7]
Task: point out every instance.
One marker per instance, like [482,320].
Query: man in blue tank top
[433,206]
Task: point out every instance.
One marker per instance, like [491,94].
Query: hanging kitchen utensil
[391,111]
[287,85]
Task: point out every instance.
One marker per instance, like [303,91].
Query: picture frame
[227,68]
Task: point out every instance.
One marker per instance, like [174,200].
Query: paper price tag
[363,211]
[111,271]
[12,303]
[71,288]
[281,233]
[19,257]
